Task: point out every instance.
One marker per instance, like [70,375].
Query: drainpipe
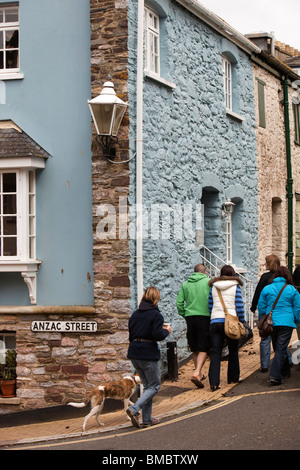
[139,152]
[289,187]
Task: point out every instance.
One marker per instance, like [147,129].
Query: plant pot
[8,388]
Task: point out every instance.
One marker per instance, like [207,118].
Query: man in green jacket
[192,305]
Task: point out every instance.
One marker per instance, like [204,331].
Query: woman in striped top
[229,284]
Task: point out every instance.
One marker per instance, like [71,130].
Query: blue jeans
[265,352]
[280,367]
[217,335]
[149,373]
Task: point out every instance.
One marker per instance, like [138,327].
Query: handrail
[214,264]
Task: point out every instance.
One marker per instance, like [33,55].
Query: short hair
[152,295]
[273,262]
[200,268]
[227,270]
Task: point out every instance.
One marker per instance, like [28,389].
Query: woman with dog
[145,329]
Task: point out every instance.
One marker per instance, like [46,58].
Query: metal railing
[213,265]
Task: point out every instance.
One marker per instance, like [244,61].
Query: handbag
[234,329]
[265,324]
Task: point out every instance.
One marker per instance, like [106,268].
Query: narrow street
[265,419]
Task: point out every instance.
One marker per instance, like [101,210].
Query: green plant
[8,370]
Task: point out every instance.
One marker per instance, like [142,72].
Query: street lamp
[107,111]
[228,207]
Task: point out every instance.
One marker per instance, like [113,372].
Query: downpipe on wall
[139,152]
[289,187]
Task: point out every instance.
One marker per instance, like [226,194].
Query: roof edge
[221,26]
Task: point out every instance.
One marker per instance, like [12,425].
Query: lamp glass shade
[229,206]
[102,116]
[107,111]
[118,116]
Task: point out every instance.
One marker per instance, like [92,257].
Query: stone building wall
[194,153]
[109,57]
[272,169]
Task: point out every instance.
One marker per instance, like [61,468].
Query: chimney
[265,41]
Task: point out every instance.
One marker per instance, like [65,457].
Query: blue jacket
[287,309]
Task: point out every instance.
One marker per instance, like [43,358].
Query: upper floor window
[227,77]
[296,108]
[261,102]
[156,58]
[9,39]
[231,80]
[152,56]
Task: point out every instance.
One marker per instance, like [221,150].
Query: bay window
[17,215]
[21,159]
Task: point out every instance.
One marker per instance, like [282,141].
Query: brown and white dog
[120,390]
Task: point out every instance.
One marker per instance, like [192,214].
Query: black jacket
[146,323]
[263,282]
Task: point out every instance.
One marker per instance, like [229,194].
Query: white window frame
[25,213]
[152,39]
[9,73]
[227,77]
[3,345]
[25,261]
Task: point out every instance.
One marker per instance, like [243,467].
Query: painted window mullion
[151,34]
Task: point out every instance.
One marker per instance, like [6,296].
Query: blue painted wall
[50,105]
[193,152]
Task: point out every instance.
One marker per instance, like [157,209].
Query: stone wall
[191,149]
[109,57]
[272,169]
[271,162]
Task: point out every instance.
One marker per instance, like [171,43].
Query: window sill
[234,115]
[10,401]
[15,266]
[11,76]
[159,79]
[28,270]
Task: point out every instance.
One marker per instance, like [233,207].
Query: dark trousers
[280,367]
[217,336]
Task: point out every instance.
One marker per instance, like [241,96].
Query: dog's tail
[78,405]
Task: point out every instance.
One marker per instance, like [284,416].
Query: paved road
[253,416]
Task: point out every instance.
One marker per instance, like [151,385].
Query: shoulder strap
[222,301]
[277,298]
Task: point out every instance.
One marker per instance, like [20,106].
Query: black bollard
[172,361]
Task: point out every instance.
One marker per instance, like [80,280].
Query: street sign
[71,326]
